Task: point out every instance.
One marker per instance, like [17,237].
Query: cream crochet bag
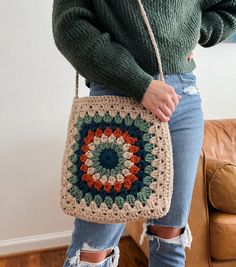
[117,165]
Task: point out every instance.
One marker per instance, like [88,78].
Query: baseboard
[34,242]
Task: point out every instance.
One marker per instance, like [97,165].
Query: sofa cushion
[222,235]
[221,178]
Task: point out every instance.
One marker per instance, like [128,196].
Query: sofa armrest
[221,185]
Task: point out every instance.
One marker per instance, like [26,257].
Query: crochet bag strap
[154,43]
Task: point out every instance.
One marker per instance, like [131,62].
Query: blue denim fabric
[186,128]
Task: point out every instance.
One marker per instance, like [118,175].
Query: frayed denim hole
[157,242]
[187,77]
[184,239]
[192,89]
[192,92]
[112,258]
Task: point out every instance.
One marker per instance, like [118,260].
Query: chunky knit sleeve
[92,52]
[218,21]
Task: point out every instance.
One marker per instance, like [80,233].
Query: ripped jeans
[186,126]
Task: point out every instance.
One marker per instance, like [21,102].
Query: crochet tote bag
[117,164]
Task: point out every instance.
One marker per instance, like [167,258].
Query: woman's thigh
[186,129]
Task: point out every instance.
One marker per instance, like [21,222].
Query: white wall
[37,87]
[216,74]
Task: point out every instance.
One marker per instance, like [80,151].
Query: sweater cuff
[133,87]
[141,85]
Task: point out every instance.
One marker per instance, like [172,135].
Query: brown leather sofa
[212,217]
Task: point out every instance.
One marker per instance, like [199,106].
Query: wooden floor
[130,256]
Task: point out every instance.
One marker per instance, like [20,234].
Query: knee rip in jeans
[76,262]
[191,90]
[184,239]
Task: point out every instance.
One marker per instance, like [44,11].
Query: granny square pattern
[117,164]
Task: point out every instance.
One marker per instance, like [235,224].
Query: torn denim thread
[184,239]
[76,262]
[191,90]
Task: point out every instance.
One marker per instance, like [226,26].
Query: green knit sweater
[107,41]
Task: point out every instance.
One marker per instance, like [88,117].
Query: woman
[107,42]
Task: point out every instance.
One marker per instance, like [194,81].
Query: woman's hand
[161,99]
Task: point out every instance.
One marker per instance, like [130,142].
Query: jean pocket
[187,77]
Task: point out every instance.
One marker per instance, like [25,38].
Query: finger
[175,99]
[170,104]
[162,116]
[165,110]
